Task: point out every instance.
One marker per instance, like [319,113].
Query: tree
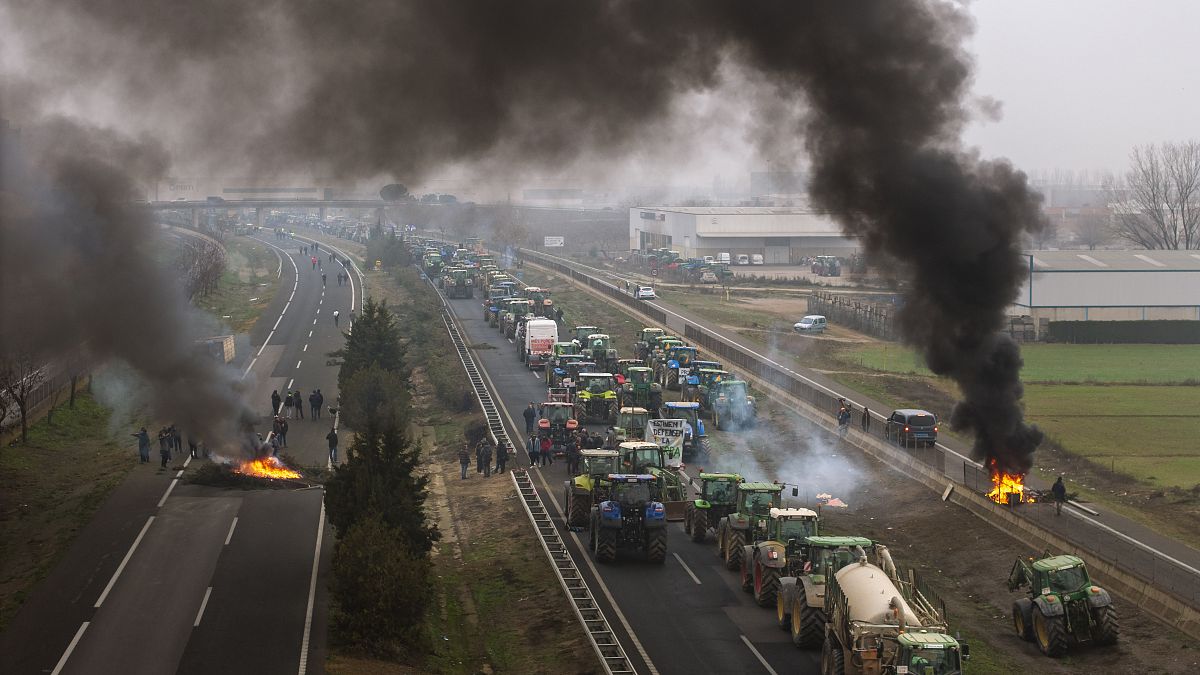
[1093,230]
[374,340]
[1157,203]
[374,394]
[20,376]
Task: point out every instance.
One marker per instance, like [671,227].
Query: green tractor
[747,522]
[800,603]
[658,353]
[645,339]
[596,396]
[560,367]
[1063,603]
[765,561]
[599,346]
[432,263]
[689,386]
[560,353]
[579,335]
[640,389]
[695,439]
[706,381]
[631,425]
[511,315]
[631,517]
[717,499]
[649,458]
[459,283]
[594,468]
[732,405]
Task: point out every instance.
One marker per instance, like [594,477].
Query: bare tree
[1093,229]
[20,375]
[1157,204]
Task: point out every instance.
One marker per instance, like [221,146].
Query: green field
[1127,364]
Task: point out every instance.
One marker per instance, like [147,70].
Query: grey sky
[1083,81]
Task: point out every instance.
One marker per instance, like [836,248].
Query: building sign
[553,242]
[649,215]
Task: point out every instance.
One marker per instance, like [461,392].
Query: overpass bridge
[263,204]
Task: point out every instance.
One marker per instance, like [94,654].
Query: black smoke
[875,91]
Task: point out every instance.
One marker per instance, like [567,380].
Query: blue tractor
[695,440]
[631,516]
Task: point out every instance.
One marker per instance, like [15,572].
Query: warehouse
[782,235]
[1111,286]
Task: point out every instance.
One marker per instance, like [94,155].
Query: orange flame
[1008,488]
[266,467]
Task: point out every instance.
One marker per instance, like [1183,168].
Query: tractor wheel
[656,402]
[577,511]
[783,610]
[672,379]
[833,660]
[747,573]
[766,585]
[612,412]
[1108,629]
[722,527]
[699,525]
[808,623]
[656,545]
[703,451]
[606,544]
[716,420]
[1051,633]
[1022,618]
[734,541]
[687,518]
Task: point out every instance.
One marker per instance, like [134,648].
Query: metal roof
[1115,261]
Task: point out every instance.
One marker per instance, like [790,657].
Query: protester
[287,405]
[320,403]
[547,451]
[501,457]
[332,437]
[487,460]
[464,460]
[298,401]
[336,314]
[479,456]
[1060,495]
[534,451]
[143,446]
[322,280]
[164,446]
[176,439]
[530,414]
[276,401]
[280,427]
[314,405]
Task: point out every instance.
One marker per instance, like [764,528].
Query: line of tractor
[843,594]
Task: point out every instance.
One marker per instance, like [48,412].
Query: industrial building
[782,235]
[1111,286]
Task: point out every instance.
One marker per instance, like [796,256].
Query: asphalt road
[173,577]
[688,615]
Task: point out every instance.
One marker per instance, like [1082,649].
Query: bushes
[1126,332]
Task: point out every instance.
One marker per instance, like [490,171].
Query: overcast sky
[1082,81]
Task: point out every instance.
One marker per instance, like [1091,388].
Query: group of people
[483,458]
[845,413]
[169,440]
[292,405]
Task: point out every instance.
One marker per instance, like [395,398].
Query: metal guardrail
[583,603]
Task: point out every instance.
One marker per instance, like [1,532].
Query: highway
[175,577]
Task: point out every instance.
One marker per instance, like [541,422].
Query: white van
[540,336]
[756,259]
[743,259]
[708,260]
[723,258]
[813,323]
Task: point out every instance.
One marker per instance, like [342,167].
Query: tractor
[596,395]
[732,405]
[559,367]
[717,499]
[689,386]
[646,338]
[706,381]
[513,310]
[631,517]
[622,370]
[594,468]
[800,604]
[658,354]
[640,389]
[695,440]
[432,263]
[765,561]
[557,423]
[579,335]
[459,283]
[574,369]
[645,457]
[747,522]
[631,425]
[557,351]
[542,304]
[675,366]
[599,346]
[1063,605]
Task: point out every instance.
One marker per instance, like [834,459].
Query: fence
[875,318]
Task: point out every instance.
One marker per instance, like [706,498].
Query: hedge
[1125,332]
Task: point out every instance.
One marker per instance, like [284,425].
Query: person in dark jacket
[313,405]
[1060,495]
[176,439]
[530,414]
[287,405]
[298,401]
[479,456]
[143,446]
[866,419]
[276,401]
[332,438]
[487,459]
[320,403]
[280,428]
[501,457]
[164,446]
[464,460]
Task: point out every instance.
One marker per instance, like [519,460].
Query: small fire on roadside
[265,467]
[1008,488]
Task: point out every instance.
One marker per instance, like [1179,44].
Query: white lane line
[318,310]
[759,656]
[298,363]
[310,333]
[62,661]
[321,301]
[687,569]
[203,604]
[305,347]
[232,527]
[124,562]
[314,322]
[286,306]
[187,461]
[290,382]
[276,326]
[534,373]
[247,371]
[180,473]
[312,593]
[168,492]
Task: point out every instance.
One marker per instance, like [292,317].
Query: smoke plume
[876,92]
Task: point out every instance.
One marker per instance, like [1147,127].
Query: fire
[266,467]
[1009,488]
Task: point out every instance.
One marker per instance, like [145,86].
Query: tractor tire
[808,623]
[833,660]
[722,529]
[656,546]
[747,574]
[1107,629]
[672,379]
[699,525]
[1050,633]
[703,451]
[766,585]
[612,412]
[688,511]
[716,418]
[783,610]
[577,511]
[1022,618]
[734,541]
[606,544]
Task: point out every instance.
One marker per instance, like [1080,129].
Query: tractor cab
[929,653]
[757,499]
[791,526]
[556,413]
[631,423]
[597,463]
[731,405]
[596,394]
[599,346]
[706,380]
[719,488]
[622,369]
[542,304]
[640,389]
[695,437]
[579,334]
[693,377]
[828,554]
[645,339]
[575,368]
[641,456]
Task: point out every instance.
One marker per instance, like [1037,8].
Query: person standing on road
[143,446]
[287,405]
[164,446]
[176,439]
[866,419]
[333,440]
[534,451]
[336,314]
[547,451]
[558,314]
[530,415]
[464,460]
[313,405]
[280,429]
[501,457]
[320,403]
[1060,495]
[322,280]
[314,262]
[275,402]
[298,400]
[479,456]
[487,460]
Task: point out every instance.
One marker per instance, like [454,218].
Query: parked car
[723,258]
[708,260]
[813,323]
[743,259]
[756,259]
[645,293]
[911,427]
[707,277]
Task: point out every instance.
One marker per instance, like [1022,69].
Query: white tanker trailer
[879,624]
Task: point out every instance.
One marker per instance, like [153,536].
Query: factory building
[1111,286]
[782,235]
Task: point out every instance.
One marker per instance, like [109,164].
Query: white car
[813,323]
[743,259]
[645,293]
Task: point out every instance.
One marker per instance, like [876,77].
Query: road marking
[62,661]
[203,604]
[305,347]
[247,371]
[759,656]
[179,474]
[312,593]
[310,333]
[318,310]
[187,461]
[232,527]
[276,326]
[687,569]
[290,382]
[298,363]
[167,493]
[124,561]
[286,306]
